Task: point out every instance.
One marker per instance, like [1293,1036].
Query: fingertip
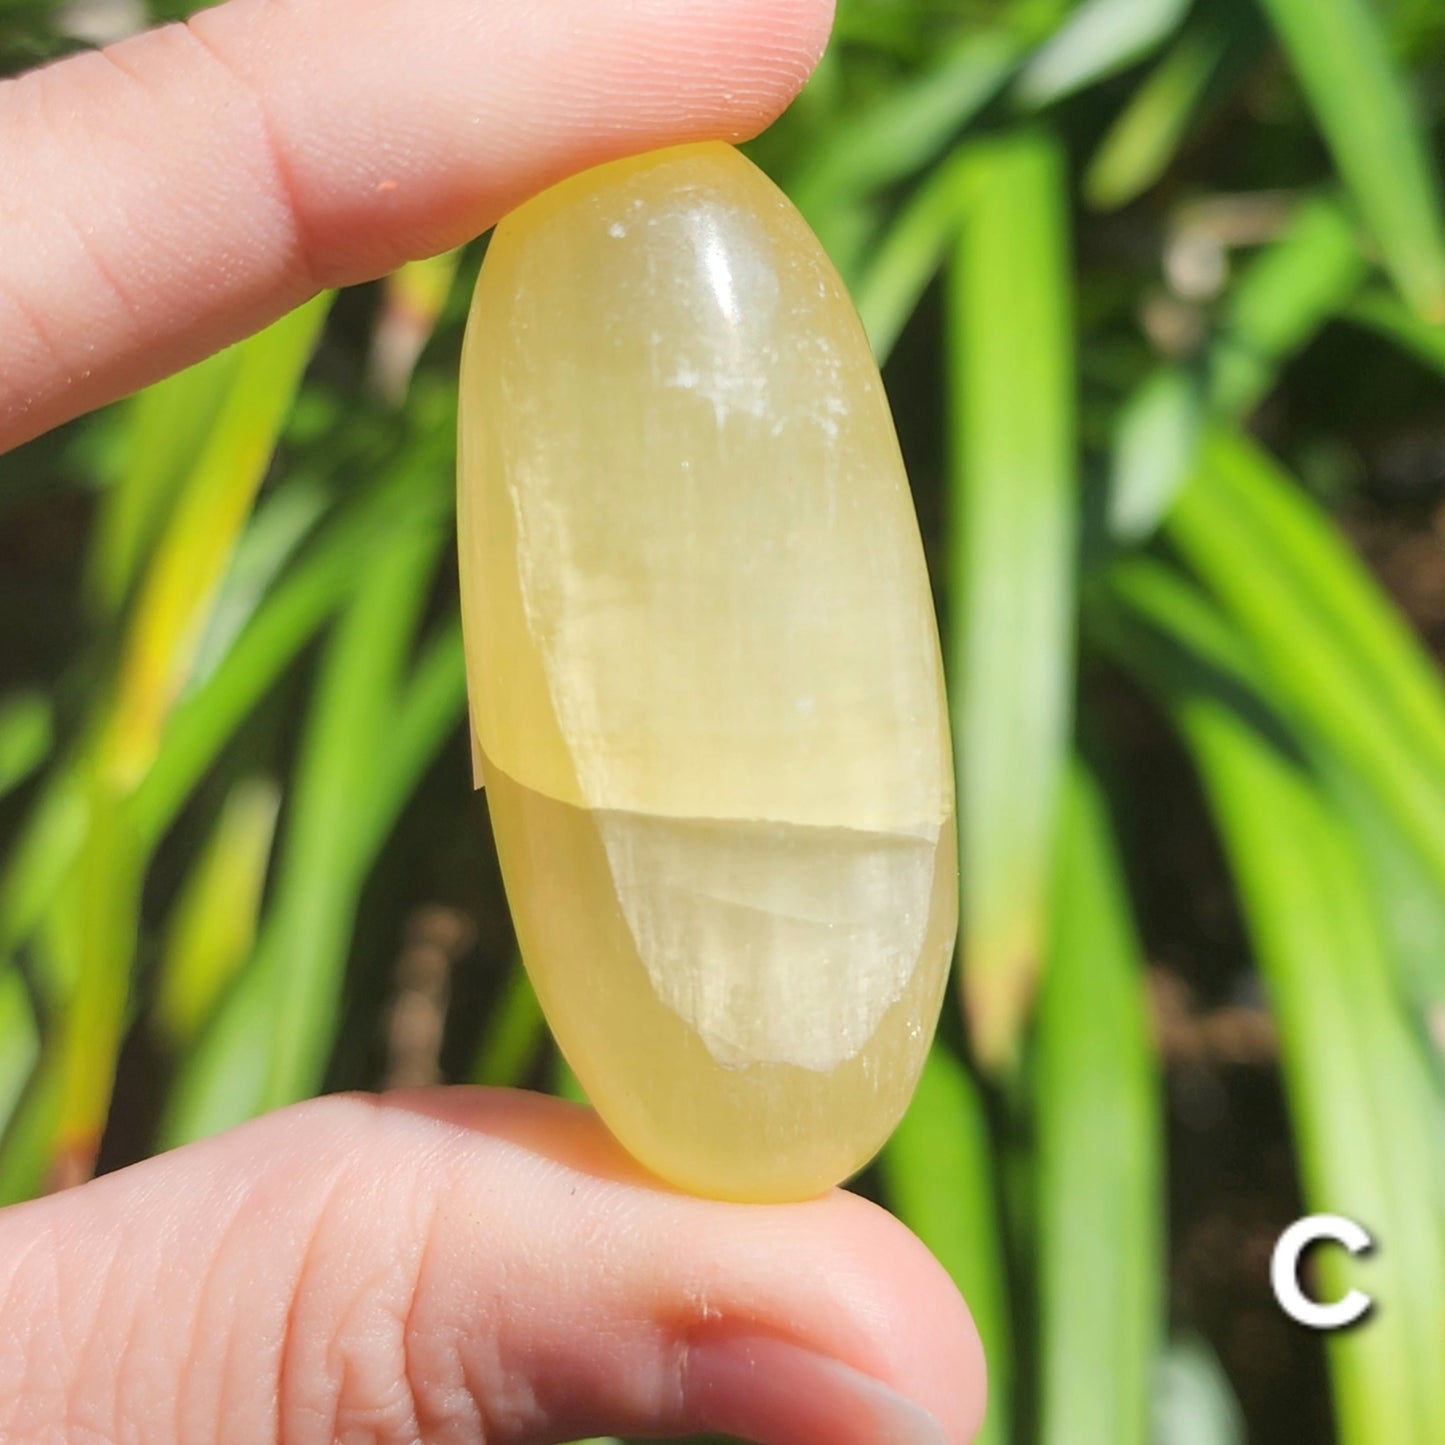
[757,54]
[480,1265]
[226,169]
[428,125]
[934,1353]
[836,1277]
[885,1307]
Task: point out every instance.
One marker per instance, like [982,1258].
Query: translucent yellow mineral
[704,673]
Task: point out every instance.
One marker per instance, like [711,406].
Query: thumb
[179,190]
[464,1265]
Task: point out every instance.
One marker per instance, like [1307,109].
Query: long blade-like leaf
[893,138]
[1281,299]
[1096,39]
[19,1043]
[940,1172]
[1137,148]
[347,735]
[164,433]
[893,279]
[190,558]
[213,922]
[513,1036]
[1366,1116]
[291,614]
[1341,55]
[1011,566]
[1193,1401]
[369,737]
[1383,313]
[1100,1146]
[1339,652]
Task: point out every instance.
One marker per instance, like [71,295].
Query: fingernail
[777,1393]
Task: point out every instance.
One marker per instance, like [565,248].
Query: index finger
[163,197]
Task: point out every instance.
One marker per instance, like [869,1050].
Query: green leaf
[26,738]
[192,553]
[1383,314]
[905,129]
[893,279]
[1011,569]
[205,718]
[1337,650]
[431,707]
[939,1172]
[164,432]
[211,484]
[213,921]
[1137,148]
[292,612]
[1156,441]
[1097,39]
[513,1036]
[1282,299]
[19,1043]
[1367,1126]
[1342,58]
[1100,1146]
[1193,1403]
[346,747]
[92,1026]
[1365,1113]
[42,857]
[280,526]
[1411,903]
[369,736]
[27,1145]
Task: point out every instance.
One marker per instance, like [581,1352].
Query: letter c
[1284,1271]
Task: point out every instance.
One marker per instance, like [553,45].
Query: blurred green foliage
[1159,287]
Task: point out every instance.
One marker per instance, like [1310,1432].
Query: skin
[454,1265]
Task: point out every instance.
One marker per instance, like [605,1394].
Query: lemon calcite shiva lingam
[703,667]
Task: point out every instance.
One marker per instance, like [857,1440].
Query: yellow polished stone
[704,673]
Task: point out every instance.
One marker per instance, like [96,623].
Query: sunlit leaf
[1137,148]
[19,1042]
[889,141]
[1339,653]
[1097,39]
[1099,1212]
[1367,1120]
[1193,1401]
[161,439]
[1011,566]
[911,253]
[1156,442]
[1281,299]
[1342,58]
[212,503]
[941,1174]
[213,922]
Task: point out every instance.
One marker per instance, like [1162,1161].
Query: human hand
[452,1265]
[166,196]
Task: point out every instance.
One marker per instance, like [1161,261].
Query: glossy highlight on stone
[704,675]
